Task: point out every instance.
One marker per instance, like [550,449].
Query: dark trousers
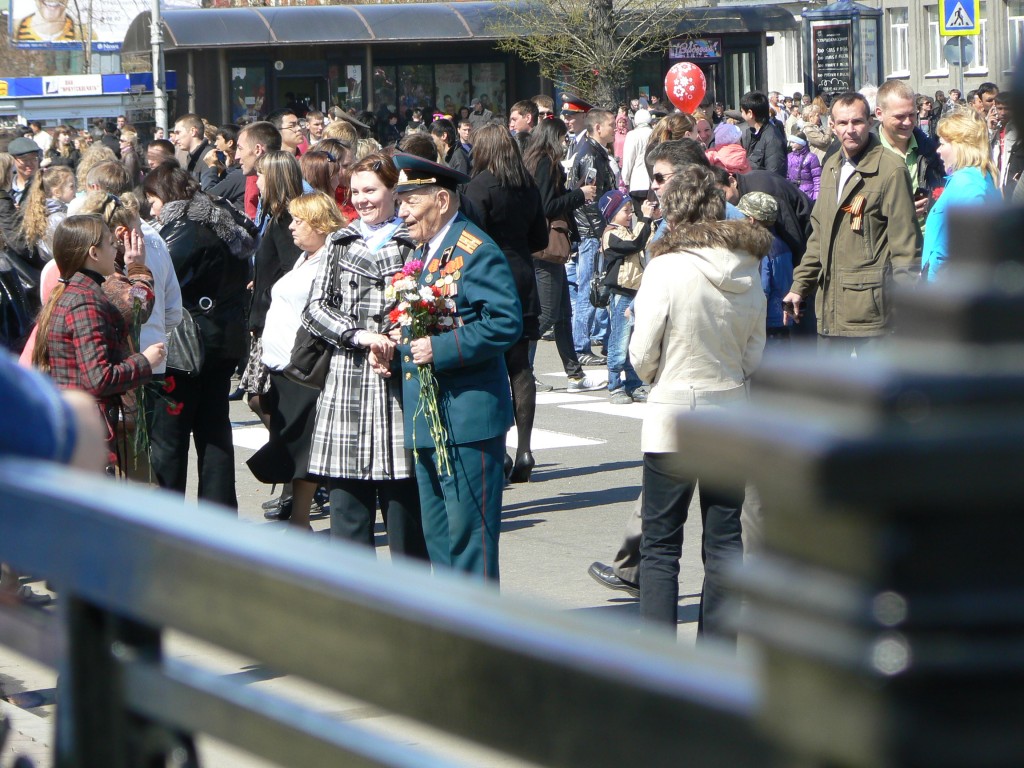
[556,312]
[667,491]
[204,418]
[354,510]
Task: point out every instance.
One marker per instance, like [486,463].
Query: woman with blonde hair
[818,136]
[45,206]
[291,407]
[129,140]
[964,150]
[91,157]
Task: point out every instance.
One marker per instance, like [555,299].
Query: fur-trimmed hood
[725,252]
[203,210]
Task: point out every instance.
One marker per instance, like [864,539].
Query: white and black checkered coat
[358,432]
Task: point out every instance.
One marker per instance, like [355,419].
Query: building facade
[912,45]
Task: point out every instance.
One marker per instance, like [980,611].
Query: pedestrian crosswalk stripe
[545,439]
[633,411]
[254,438]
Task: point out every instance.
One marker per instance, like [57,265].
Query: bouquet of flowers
[140,297]
[427,311]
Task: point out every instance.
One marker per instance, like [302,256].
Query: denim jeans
[618,345]
[667,491]
[583,311]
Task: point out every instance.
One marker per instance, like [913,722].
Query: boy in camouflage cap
[759,206]
[776,267]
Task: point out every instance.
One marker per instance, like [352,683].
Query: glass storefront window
[489,85]
[415,87]
[453,91]
[248,94]
[384,91]
[349,89]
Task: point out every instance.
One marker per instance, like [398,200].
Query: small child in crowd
[728,153]
[776,267]
[622,255]
[804,168]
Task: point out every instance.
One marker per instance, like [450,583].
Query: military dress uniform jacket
[474,400]
[854,263]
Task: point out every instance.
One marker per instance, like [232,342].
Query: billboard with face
[65,24]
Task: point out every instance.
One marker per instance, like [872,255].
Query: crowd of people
[664,253]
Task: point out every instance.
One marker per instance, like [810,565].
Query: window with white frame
[936,61]
[1015,24]
[900,41]
[980,63]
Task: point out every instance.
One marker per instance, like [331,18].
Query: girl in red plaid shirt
[83,340]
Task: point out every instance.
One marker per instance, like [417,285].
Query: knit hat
[759,206]
[611,203]
[798,139]
[727,133]
[641,117]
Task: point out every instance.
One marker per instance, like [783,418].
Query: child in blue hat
[622,254]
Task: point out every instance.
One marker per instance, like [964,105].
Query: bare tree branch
[588,45]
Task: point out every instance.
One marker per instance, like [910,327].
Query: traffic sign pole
[963,64]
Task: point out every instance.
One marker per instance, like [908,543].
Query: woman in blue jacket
[964,149]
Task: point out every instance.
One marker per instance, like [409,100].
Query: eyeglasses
[293,127]
[661,178]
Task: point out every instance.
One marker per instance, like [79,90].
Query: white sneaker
[584,384]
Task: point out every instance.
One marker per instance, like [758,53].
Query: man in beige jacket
[864,236]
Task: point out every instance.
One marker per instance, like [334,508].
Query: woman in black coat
[279,181]
[543,160]
[210,246]
[62,149]
[509,207]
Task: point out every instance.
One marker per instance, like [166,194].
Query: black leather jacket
[590,156]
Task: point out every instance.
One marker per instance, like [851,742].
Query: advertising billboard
[65,24]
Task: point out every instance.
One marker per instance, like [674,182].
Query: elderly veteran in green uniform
[461,510]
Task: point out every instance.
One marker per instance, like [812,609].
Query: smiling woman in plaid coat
[358,441]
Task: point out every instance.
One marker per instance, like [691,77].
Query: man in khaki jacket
[864,235]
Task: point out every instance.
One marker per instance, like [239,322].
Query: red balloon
[685,86]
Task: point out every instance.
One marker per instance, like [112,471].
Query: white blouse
[288,299]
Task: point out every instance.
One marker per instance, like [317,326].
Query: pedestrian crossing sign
[959,17]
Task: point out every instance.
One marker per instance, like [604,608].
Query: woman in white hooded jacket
[698,337]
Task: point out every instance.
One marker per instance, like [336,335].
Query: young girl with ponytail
[83,340]
[45,206]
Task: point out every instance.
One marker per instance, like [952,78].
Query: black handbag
[185,351]
[311,355]
[600,294]
[311,359]
[15,311]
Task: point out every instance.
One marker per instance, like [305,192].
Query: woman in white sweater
[698,336]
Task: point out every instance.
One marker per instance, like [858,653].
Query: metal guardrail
[887,606]
[129,564]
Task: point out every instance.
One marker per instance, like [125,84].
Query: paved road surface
[584,487]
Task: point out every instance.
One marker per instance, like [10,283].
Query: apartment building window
[1015,22]
[936,61]
[980,64]
[900,40]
